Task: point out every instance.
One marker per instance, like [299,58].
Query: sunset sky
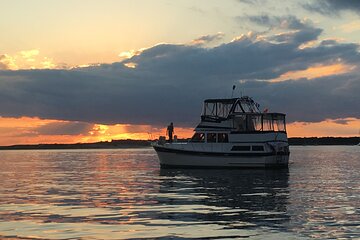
[85,71]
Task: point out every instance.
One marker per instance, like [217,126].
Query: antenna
[232,93]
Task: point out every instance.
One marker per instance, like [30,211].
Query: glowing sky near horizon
[76,34]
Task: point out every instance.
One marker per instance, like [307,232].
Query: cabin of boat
[232,132]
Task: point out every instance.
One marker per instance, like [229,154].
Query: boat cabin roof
[221,100]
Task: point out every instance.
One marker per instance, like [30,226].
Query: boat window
[240,148]
[279,123]
[217,109]
[257,148]
[253,123]
[223,109]
[257,122]
[247,108]
[198,137]
[223,137]
[211,137]
[210,109]
[267,123]
[238,108]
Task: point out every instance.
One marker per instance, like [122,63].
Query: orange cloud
[128,131]
[130,65]
[28,59]
[316,72]
[347,127]
[27,130]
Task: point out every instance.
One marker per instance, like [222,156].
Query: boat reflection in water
[238,198]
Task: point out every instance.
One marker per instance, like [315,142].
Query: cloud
[285,28]
[4,64]
[27,59]
[282,22]
[315,72]
[310,101]
[350,27]
[208,39]
[252,1]
[342,121]
[64,128]
[347,127]
[30,54]
[333,7]
[170,82]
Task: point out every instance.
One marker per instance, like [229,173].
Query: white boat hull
[172,159]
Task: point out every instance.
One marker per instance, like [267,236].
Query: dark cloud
[341,121]
[302,31]
[310,100]
[170,82]
[64,128]
[282,22]
[333,7]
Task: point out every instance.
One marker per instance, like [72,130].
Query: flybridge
[239,115]
[222,108]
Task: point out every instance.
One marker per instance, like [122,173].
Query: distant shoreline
[323,141]
[118,144]
[97,145]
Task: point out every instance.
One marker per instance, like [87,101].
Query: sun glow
[127,54]
[28,59]
[26,130]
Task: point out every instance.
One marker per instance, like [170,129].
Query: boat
[232,133]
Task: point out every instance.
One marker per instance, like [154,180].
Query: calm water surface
[122,194]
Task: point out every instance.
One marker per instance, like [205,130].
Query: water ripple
[122,194]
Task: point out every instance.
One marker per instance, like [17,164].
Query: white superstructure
[232,133]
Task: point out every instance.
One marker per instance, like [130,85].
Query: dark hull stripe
[261,142]
[245,154]
[268,166]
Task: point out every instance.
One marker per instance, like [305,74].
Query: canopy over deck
[222,108]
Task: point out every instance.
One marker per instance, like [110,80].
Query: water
[122,194]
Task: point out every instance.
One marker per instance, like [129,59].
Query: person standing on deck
[170,131]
